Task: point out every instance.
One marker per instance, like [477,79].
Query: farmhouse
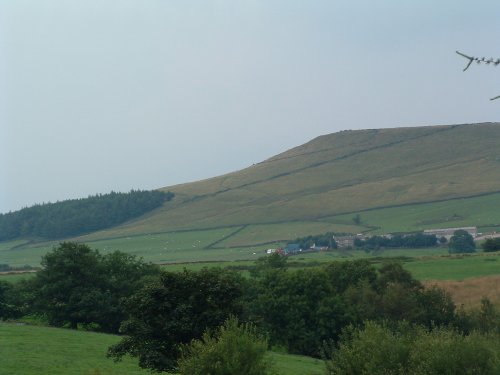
[344,242]
[448,232]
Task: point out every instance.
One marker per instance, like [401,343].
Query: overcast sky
[100,95]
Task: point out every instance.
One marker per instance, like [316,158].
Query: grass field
[32,350]
[158,248]
[268,233]
[15,277]
[479,211]
[469,292]
[20,253]
[240,242]
[425,264]
[454,267]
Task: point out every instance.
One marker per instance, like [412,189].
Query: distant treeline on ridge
[78,216]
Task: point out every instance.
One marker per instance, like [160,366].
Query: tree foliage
[233,349]
[398,241]
[174,310]
[78,216]
[461,242]
[9,308]
[411,350]
[303,308]
[491,245]
[79,286]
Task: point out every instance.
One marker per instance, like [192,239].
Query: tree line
[78,216]
[412,241]
[168,317]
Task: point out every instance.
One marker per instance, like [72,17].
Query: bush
[376,349]
[233,349]
[370,351]
[491,245]
[445,351]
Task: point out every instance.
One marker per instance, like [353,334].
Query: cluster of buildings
[347,241]
[448,232]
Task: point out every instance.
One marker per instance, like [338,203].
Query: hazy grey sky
[100,95]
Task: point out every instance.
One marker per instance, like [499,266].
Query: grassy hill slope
[30,350]
[335,174]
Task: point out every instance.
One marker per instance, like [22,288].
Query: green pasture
[269,233]
[479,211]
[15,277]
[188,246]
[23,254]
[425,264]
[454,267]
[30,350]
[33,350]
[7,245]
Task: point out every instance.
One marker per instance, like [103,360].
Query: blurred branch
[479,61]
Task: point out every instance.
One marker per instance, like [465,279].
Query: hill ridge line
[375,131]
[315,165]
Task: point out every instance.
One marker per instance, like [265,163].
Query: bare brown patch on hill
[469,292]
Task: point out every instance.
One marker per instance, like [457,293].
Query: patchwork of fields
[241,242]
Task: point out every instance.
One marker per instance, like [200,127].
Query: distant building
[344,242]
[292,248]
[448,232]
[315,247]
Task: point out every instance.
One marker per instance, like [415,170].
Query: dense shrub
[406,350]
[8,306]
[174,310]
[232,349]
[300,309]
[491,244]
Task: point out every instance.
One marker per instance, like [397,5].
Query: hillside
[335,174]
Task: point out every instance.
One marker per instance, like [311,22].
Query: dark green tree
[9,308]
[491,245]
[298,309]
[461,242]
[77,216]
[356,219]
[174,310]
[78,285]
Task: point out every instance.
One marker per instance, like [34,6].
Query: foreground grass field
[31,350]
